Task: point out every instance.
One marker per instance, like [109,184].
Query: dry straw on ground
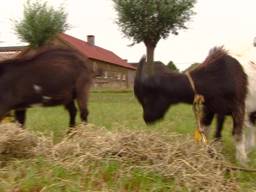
[15,142]
[191,166]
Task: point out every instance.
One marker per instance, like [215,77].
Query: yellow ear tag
[199,137]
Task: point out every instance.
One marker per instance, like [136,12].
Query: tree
[172,66]
[192,67]
[41,23]
[148,21]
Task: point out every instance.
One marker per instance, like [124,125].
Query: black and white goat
[225,82]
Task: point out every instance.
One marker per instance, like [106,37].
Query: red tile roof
[95,52]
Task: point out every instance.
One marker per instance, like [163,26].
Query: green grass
[113,110]
[42,175]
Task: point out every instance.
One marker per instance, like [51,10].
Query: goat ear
[140,68]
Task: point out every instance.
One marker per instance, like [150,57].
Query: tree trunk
[150,59]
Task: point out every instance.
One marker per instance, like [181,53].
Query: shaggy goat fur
[52,77]
[221,79]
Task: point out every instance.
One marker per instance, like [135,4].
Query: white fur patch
[241,154]
[37,88]
[248,61]
[46,98]
[206,130]
[250,135]
[250,102]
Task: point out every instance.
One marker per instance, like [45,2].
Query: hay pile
[192,166]
[16,142]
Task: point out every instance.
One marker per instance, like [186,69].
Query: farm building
[110,70]
[10,52]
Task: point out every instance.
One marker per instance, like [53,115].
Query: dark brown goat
[52,77]
[220,119]
[220,79]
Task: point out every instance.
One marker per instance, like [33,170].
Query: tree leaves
[150,20]
[41,23]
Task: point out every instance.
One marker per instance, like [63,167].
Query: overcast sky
[217,22]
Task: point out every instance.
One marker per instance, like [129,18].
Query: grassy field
[114,111]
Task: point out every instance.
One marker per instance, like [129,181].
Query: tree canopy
[192,67]
[172,66]
[150,20]
[40,23]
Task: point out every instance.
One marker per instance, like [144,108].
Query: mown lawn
[113,110]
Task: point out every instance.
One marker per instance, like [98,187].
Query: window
[99,72]
[118,76]
[105,74]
